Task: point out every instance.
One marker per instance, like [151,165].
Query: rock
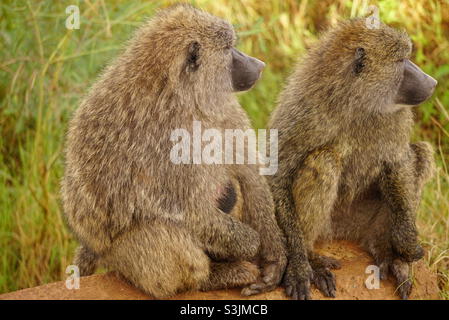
[350,284]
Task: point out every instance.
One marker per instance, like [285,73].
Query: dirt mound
[350,284]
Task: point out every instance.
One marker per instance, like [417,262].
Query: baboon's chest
[364,159]
[360,169]
[358,173]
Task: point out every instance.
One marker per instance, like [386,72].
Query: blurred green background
[45,69]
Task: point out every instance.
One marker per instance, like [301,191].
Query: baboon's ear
[193,56]
[359,60]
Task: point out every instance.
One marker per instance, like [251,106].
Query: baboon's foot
[270,276]
[400,271]
[224,275]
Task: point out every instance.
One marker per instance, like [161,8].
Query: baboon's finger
[272,273]
[324,280]
[256,288]
[383,270]
[401,271]
[304,291]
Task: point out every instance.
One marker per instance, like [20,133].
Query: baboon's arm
[258,208]
[298,272]
[223,236]
[315,190]
[258,212]
[399,191]
[304,199]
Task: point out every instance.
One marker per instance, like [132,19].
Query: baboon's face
[195,52]
[396,78]
[229,65]
[381,64]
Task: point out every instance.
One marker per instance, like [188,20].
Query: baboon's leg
[424,166]
[402,187]
[224,237]
[304,205]
[160,258]
[377,241]
[224,275]
[315,191]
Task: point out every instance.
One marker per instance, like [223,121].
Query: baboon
[169,227]
[347,169]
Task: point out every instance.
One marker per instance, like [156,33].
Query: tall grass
[45,69]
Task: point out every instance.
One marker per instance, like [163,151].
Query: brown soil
[350,284]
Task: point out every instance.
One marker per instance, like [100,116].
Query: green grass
[45,69]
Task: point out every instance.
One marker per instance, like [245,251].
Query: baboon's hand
[401,272]
[324,280]
[271,276]
[417,253]
[297,280]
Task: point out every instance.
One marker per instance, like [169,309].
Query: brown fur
[347,169]
[130,207]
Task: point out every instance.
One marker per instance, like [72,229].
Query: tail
[86,260]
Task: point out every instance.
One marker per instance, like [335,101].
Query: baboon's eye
[193,56]
[359,60]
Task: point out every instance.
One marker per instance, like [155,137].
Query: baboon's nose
[260,65]
[434,82]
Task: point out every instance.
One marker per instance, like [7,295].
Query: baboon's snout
[260,65]
[416,86]
[246,70]
[431,84]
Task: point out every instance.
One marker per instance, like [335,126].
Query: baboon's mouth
[418,100]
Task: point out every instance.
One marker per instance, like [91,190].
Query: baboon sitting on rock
[170,227]
[347,169]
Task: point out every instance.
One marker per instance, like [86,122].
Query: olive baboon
[157,223]
[347,169]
